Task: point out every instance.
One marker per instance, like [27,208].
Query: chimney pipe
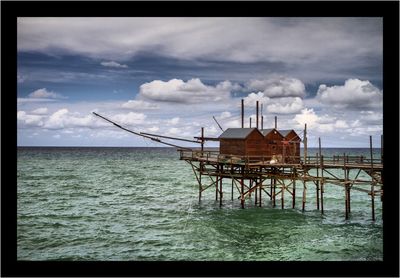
[276,122]
[242,113]
[250,122]
[257,114]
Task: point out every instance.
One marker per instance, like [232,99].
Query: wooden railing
[215,156]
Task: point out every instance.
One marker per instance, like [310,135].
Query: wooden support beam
[373,201]
[262,121]
[220,191]
[274,195]
[317,185]
[294,190]
[257,114]
[242,113]
[261,188]
[304,195]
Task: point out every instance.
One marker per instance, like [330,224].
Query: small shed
[291,145]
[241,141]
[272,142]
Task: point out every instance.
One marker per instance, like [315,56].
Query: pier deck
[264,174]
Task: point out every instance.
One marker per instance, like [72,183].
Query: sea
[141,204]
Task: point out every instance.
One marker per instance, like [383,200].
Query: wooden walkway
[275,177]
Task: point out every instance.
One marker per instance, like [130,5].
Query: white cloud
[354,93]
[324,123]
[286,105]
[40,111]
[372,117]
[139,104]
[113,64]
[22,100]
[64,119]
[57,136]
[44,93]
[192,91]
[130,118]
[153,129]
[279,87]
[225,115]
[282,105]
[252,99]
[173,121]
[27,120]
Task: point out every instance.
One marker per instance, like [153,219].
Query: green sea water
[142,204]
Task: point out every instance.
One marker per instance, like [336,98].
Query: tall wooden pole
[317,185]
[294,187]
[382,148]
[257,114]
[305,163]
[321,163]
[242,113]
[373,182]
[202,140]
[305,143]
[220,188]
[262,122]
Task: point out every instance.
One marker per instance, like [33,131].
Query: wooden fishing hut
[291,146]
[242,142]
[272,146]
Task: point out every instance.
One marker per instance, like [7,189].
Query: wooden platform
[265,174]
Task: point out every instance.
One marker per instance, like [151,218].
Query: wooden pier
[268,161]
[257,175]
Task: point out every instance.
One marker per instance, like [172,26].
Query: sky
[170,76]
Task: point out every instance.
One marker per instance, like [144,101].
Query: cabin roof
[237,133]
[285,132]
[266,131]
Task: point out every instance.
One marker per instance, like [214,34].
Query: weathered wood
[242,113]
[257,114]
[304,195]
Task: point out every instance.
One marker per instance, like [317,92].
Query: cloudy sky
[170,76]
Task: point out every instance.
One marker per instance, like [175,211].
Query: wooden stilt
[232,191]
[317,186]
[373,201]
[261,188]
[321,165]
[270,190]
[294,189]
[273,196]
[322,197]
[304,195]
[216,184]
[220,192]
[232,184]
[346,202]
[255,197]
[294,194]
[241,195]
[283,195]
[200,189]
[242,189]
